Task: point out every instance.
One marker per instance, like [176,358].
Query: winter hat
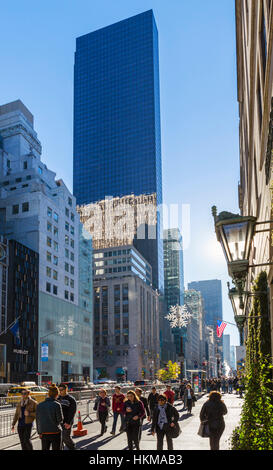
[53,391]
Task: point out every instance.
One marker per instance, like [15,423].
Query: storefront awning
[120,371]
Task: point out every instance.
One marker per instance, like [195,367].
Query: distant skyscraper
[174,275]
[117,139]
[212,294]
[211,291]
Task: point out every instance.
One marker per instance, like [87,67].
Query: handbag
[203,430]
[174,431]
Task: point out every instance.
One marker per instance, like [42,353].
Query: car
[4,388]
[36,392]
[76,386]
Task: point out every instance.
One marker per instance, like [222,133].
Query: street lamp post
[236,233]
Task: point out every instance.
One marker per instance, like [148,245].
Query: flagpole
[10,325]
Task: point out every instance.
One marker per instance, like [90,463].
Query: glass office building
[117,139]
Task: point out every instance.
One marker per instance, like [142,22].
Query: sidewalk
[188,439]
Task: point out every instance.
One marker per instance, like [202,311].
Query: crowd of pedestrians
[55,415]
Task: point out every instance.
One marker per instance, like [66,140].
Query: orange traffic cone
[80,431]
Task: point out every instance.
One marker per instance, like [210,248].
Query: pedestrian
[230,385]
[69,407]
[102,406]
[25,414]
[49,419]
[213,411]
[189,398]
[117,407]
[169,394]
[134,412]
[152,399]
[182,389]
[147,413]
[165,416]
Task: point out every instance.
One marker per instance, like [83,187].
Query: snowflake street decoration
[178,316]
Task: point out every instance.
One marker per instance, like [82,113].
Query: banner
[44,352]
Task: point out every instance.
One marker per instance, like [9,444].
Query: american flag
[220,328]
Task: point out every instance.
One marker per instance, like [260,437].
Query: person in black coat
[213,411]
[165,416]
[102,407]
[152,400]
[134,412]
[69,407]
[146,408]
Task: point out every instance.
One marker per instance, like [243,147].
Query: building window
[55,260]
[25,207]
[48,256]
[70,201]
[66,267]
[48,271]
[72,256]
[55,290]
[18,180]
[72,269]
[66,253]
[49,227]
[25,165]
[40,170]
[67,226]
[55,275]
[66,294]
[56,217]
[71,297]
[49,212]
[72,243]
[72,230]
[48,287]
[55,231]
[56,246]
[72,217]
[66,239]
[15,209]
[72,283]
[67,212]
[49,241]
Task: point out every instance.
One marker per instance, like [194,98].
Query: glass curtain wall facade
[117,143]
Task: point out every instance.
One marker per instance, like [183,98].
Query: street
[188,439]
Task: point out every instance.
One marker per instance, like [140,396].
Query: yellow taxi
[37,392]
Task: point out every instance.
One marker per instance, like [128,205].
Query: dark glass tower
[116,111]
[117,140]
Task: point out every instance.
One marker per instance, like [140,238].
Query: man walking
[69,407]
[117,407]
[146,408]
[169,394]
[49,418]
[25,414]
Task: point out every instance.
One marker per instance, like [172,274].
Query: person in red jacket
[169,394]
[118,408]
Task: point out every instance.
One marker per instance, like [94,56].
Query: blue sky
[199,110]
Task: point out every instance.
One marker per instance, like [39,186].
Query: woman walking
[25,414]
[165,417]
[213,411]
[134,412]
[102,406]
[189,398]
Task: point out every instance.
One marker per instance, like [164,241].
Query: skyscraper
[211,291]
[117,143]
[174,277]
